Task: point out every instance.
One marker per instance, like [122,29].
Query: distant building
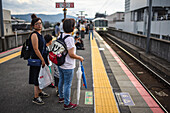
[100,15]
[7,22]
[20,25]
[115,19]
[136,18]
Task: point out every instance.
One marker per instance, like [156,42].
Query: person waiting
[79,42]
[91,28]
[82,28]
[57,29]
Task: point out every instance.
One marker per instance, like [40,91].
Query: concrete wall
[157,27]
[7,22]
[165,3]
[10,40]
[158,47]
[137,4]
[6,15]
[128,24]
[119,25]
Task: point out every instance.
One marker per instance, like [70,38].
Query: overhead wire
[103,5]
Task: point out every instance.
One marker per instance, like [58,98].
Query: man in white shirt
[61,27]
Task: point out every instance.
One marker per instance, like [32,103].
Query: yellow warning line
[103,96]
[4,59]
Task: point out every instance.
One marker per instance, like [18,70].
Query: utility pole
[81,14]
[2,27]
[64,9]
[64,5]
[149,25]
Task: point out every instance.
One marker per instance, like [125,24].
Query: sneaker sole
[70,108]
[45,96]
[38,103]
[61,102]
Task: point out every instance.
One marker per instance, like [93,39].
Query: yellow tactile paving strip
[104,99]
[4,59]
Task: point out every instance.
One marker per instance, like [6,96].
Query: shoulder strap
[66,37]
[64,41]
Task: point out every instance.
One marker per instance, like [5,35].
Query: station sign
[81,16]
[67,5]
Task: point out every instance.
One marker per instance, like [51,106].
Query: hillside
[44,17]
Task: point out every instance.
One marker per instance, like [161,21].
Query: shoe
[82,48]
[38,100]
[70,106]
[52,85]
[57,93]
[43,94]
[61,100]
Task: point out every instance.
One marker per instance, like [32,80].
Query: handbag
[34,62]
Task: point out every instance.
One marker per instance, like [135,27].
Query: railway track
[156,86]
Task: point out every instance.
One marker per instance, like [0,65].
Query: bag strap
[66,45]
[66,37]
[61,35]
[44,47]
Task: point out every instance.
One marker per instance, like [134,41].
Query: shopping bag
[45,77]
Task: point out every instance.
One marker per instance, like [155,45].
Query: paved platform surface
[125,82]
[16,94]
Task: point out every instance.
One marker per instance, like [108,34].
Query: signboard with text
[66,5]
[81,16]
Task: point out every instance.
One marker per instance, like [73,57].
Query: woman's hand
[43,63]
[81,59]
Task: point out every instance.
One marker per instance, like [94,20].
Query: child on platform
[48,39]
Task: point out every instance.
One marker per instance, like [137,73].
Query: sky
[90,7]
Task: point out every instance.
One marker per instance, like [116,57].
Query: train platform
[111,87]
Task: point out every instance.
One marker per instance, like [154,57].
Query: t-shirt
[69,62]
[57,29]
[90,26]
[82,27]
[61,27]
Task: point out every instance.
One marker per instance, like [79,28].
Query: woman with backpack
[66,71]
[37,48]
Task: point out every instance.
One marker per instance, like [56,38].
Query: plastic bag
[45,77]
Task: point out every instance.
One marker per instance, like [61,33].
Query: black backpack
[25,52]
